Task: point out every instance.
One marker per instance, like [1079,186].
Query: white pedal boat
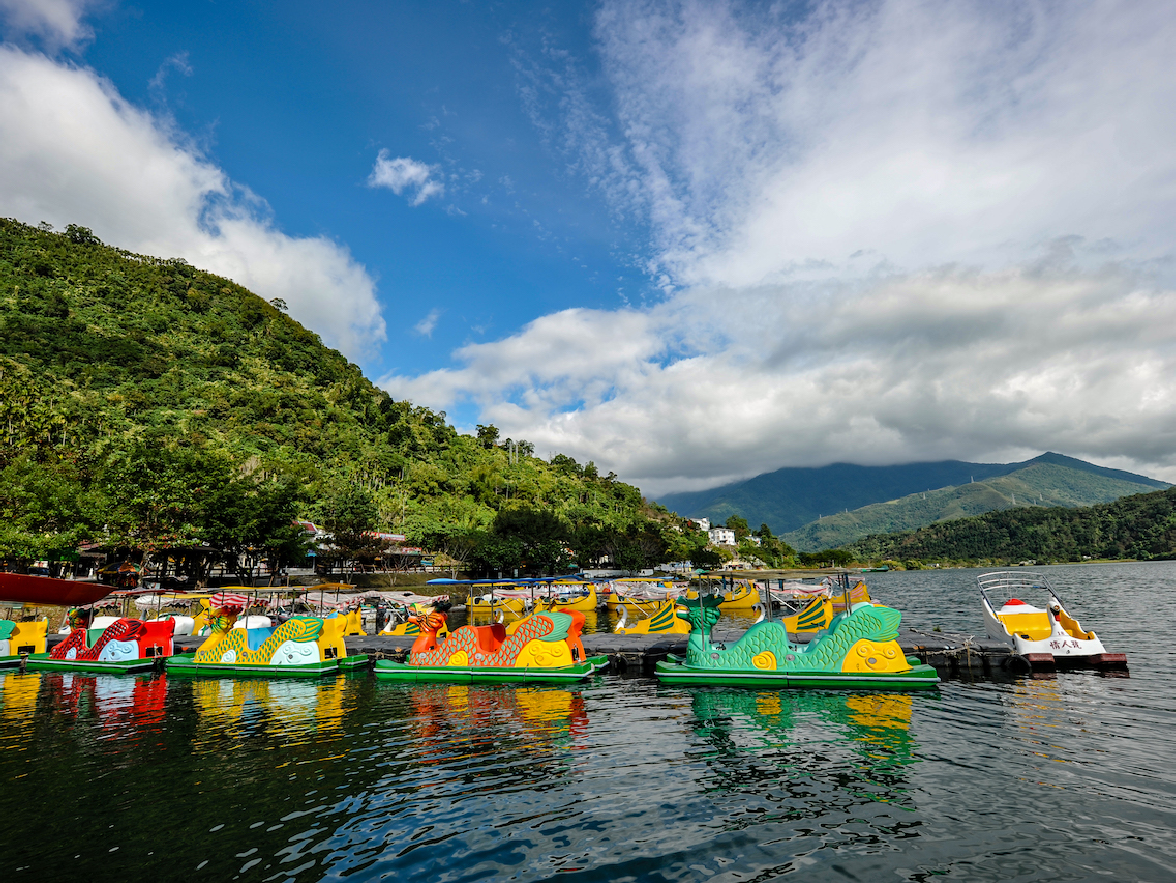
[1031,630]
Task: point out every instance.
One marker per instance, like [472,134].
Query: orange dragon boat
[543,647]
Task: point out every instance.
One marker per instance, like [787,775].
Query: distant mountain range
[829,506]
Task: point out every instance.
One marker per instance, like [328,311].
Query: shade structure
[224,600]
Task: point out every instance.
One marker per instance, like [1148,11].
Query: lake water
[165,778]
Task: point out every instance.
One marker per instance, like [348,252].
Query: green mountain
[790,498]
[1045,482]
[147,404]
[1141,526]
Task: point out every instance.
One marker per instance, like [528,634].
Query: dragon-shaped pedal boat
[126,645]
[545,647]
[858,650]
[302,646]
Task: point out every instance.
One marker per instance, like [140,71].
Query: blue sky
[295,103]
[692,241]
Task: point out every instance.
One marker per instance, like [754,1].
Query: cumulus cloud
[405,175]
[76,152]
[893,231]
[718,384]
[57,22]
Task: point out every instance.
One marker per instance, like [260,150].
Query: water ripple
[1066,778]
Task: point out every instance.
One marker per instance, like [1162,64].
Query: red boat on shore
[27,589]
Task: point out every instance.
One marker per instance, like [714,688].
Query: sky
[690,241]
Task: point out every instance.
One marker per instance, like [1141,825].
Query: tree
[487,435]
[350,515]
[253,521]
[540,535]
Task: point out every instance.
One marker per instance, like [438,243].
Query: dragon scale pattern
[123,630]
[466,639]
[825,654]
[300,631]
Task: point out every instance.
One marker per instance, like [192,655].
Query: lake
[168,778]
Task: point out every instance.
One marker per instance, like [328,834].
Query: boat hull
[475,674]
[186,664]
[27,589]
[920,677]
[42,662]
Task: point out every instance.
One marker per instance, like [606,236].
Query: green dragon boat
[859,650]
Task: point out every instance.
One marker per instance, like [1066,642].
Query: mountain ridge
[789,498]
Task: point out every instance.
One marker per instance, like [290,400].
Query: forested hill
[144,402]
[1046,481]
[790,498]
[1141,526]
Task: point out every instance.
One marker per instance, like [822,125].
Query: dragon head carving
[702,612]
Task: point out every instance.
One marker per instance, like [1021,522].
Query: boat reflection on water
[18,696]
[294,710]
[118,702]
[488,718]
[856,741]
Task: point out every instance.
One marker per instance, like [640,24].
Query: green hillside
[1047,481]
[1141,526]
[791,497]
[147,404]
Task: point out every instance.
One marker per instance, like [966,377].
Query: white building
[755,541]
[703,523]
[721,536]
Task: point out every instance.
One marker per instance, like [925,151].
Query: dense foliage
[1142,526]
[147,404]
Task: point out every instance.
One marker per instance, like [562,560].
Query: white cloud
[768,149]
[57,22]
[76,152]
[406,174]
[888,232]
[425,327]
[718,384]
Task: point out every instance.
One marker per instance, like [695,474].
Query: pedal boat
[560,597]
[642,593]
[302,646]
[124,646]
[403,622]
[742,596]
[663,621]
[859,650]
[21,639]
[544,647]
[1031,630]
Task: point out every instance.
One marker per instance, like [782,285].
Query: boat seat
[490,637]
[257,637]
[1071,626]
[1033,626]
